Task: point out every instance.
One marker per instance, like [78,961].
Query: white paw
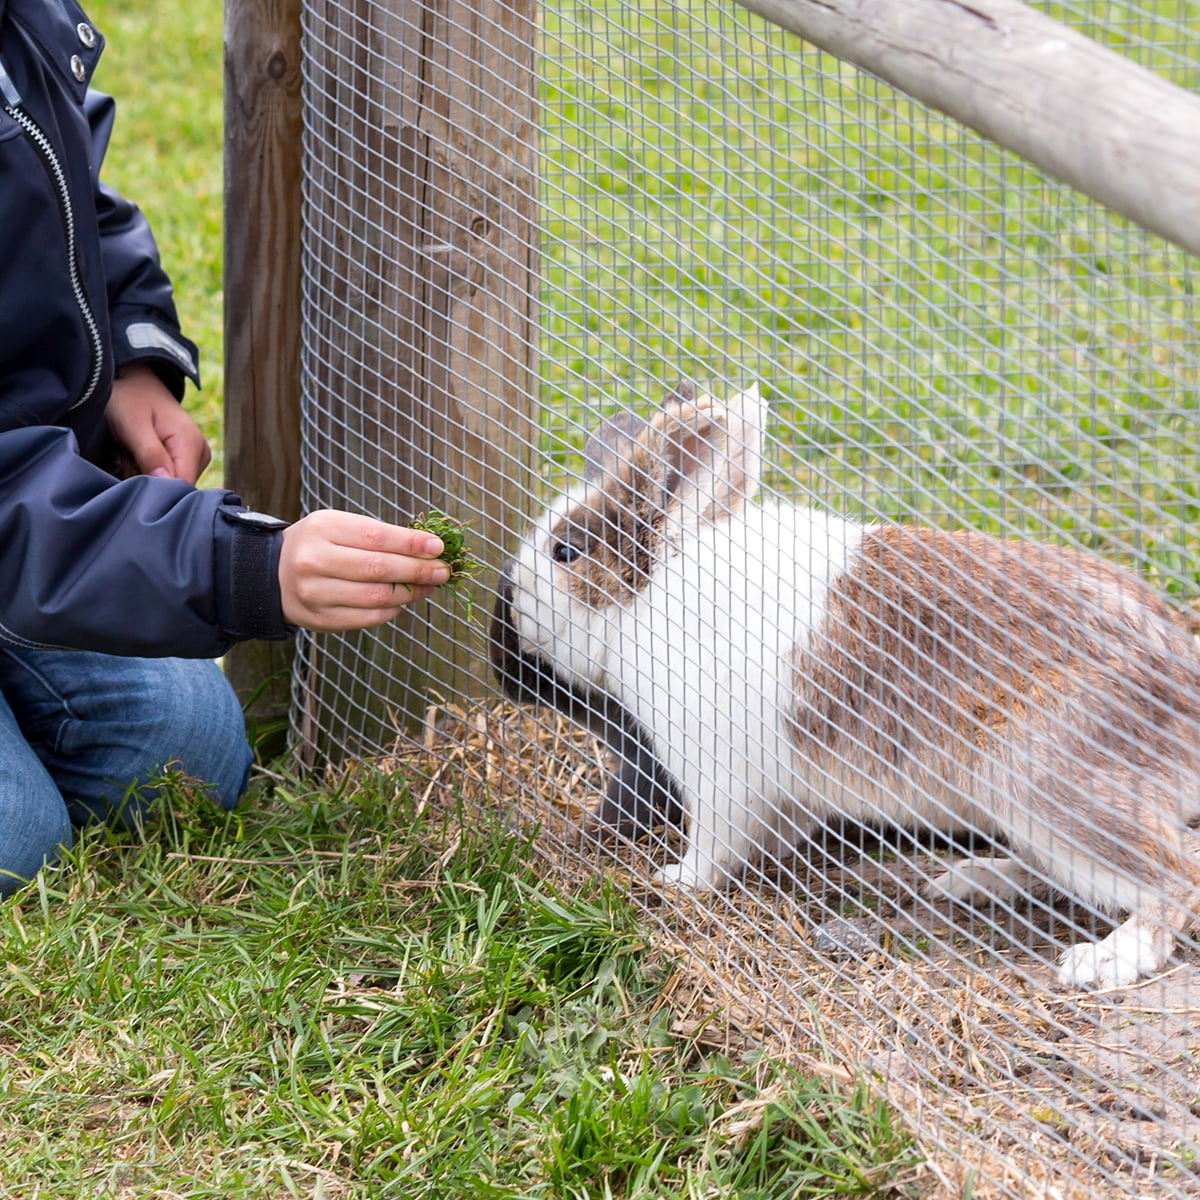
[975,879]
[1125,956]
[691,876]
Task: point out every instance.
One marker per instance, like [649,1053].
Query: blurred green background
[162,63]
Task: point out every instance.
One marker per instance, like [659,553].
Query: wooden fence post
[419,327]
[262,292]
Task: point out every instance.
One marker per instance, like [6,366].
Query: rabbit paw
[1128,953]
[691,875]
[980,879]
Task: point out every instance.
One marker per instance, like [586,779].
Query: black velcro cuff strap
[256,608]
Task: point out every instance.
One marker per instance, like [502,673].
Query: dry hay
[1013,1089]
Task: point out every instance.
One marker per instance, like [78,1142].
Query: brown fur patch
[682,462]
[619,532]
[943,651]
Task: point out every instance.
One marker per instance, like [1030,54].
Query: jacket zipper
[58,177]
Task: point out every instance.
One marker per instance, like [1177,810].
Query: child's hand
[147,422]
[340,571]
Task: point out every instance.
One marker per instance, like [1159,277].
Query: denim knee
[188,720]
[198,718]
[100,724]
[33,833]
[34,825]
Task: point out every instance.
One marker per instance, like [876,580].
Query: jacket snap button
[78,69]
[87,35]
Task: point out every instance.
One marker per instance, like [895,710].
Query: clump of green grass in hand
[463,566]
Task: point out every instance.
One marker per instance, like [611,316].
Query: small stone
[848,937]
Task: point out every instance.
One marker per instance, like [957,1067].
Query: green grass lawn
[943,333]
[335,994]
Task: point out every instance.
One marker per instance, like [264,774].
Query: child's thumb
[152,459]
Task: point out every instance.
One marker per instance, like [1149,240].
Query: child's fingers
[356,532]
[340,571]
[317,559]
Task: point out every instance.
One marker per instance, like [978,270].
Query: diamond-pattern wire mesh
[944,335]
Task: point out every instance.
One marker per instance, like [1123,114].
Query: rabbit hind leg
[1145,868]
[1159,915]
[1138,948]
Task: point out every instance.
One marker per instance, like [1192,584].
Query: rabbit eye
[565,553]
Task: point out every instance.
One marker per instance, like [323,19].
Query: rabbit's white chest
[701,658]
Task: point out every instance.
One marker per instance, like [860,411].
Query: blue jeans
[78,729]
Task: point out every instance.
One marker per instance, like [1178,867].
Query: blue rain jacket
[144,566]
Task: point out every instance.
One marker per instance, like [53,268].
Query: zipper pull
[8,89]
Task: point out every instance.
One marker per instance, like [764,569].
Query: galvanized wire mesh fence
[517,227]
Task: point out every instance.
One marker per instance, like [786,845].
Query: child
[114,592]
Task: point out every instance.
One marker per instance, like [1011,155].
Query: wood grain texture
[262,290]
[419,294]
[1082,113]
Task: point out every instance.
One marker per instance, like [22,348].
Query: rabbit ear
[649,482]
[614,442]
[705,455]
[610,446]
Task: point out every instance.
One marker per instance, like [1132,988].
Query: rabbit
[760,669]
